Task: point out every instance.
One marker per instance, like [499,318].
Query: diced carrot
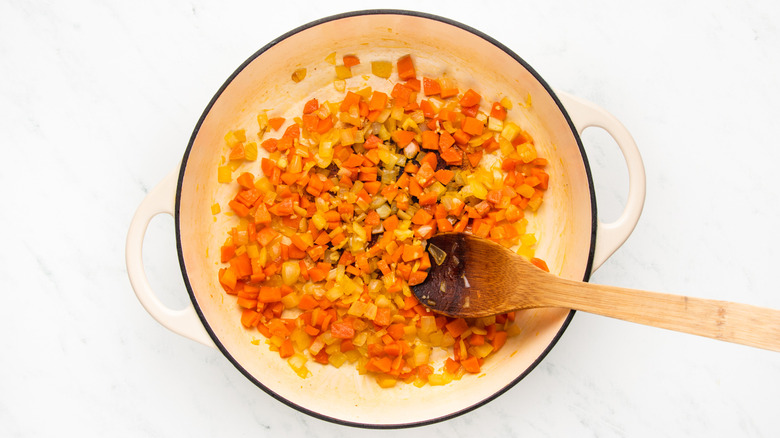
[342,330]
[246,180]
[401,95]
[382,317]
[372,219]
[350,61]
[446,141]
[332,216]
[424,174]
[475,158]
[270,146]
[321,357]
[249,318]
[430,158]
[299,243]
[470,98]
[396,331]
[266,235]
[227,252]
[324,125]
[440,212]
[391,222]
[539,263]
[471,364]
[378,101]
[499,339]
[414,84]
[286,349]
[497,111]
[276,123]
[412,252]
[428,111]
[242,265]
[544,178]
[451,366]
[451,155]
[421,217]
[316,275]
[372,187]
[427,198]
[382,364]
[403,138]
[430,140]
[475,339]
[262,216]
[491,145]
[237,152]
[444,225]
[240,209]
[417,277]
[405,68]
[472,126]
[431,87]
[372,142]
[449,91]
[283,208]
[444,176]
[311,106]
[269,294]
[461,225]
[354,160]
[456,327]
[393,350]
[267,165]
[461,137]
[350,100]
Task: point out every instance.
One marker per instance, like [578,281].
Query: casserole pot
[571,238]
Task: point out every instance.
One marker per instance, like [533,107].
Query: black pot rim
[178,222]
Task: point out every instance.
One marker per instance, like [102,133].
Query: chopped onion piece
[437,253]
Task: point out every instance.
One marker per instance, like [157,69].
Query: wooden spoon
[472,277]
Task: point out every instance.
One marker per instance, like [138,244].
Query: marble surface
[98,100]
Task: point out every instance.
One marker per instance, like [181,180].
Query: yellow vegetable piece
[528,240]
[526,191]
[527,152]
[298,363]
[506,103]
[299,75]
[250,151]
[262,121]
[526,252]
[382,69]
[331,58]
[343,72]
[510,131]
[386,381]
[224,174]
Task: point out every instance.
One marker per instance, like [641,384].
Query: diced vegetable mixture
[334,219]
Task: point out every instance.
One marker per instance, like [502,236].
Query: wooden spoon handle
[722,320]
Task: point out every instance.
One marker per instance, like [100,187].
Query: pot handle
[185,322]
[610,236]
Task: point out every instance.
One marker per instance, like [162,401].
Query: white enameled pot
[571,238]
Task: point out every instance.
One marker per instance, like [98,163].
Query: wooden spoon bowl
[471,277]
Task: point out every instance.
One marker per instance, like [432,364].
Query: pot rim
[177,222]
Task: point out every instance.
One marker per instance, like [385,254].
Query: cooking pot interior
[563,225]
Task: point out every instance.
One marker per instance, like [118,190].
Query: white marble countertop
[98,100]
